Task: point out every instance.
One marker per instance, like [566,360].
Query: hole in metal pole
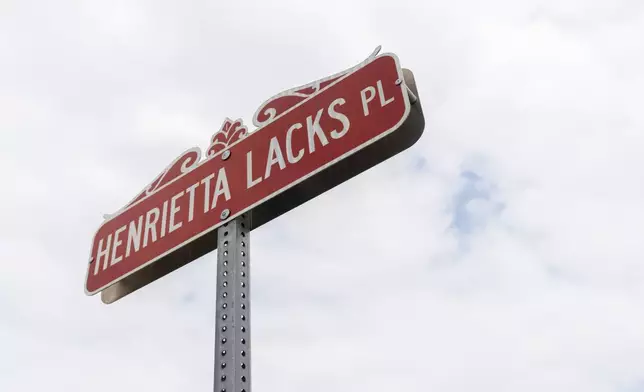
[243,244]
[223,377]
[223,352]
[225,263]
[224,295]
[243,318]
[243,329]
[242,253]
[243,284]
[243,264]
[225,273]
[243,378]
[225,235]
[243,273]
[224,317]
[223,341]
[243,365]
[243,234]
[225,253]
[224,328]
[243,306]
[243,353]
[243,295]
[225,306]
[223,365]
[225,284]
[243,341]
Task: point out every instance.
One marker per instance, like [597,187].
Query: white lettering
[274,156]
[381,95]
[313,128]
[102,253]
[249,172]
[164,218]
[174,208]
[289,144]
[339,116]
[221,188]
[206,196]
[134,236]
[150,226]
[366,100]
[116,244]
[191,205]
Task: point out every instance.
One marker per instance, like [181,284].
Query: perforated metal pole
[232,345]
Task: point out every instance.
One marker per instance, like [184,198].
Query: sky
[502,252]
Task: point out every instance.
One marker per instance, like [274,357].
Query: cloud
[501,252]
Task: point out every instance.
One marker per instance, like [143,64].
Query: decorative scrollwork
[285,100]
[230,132]
[183,164]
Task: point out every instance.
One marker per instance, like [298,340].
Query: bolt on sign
[308,140]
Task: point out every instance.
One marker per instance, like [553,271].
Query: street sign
[310,139]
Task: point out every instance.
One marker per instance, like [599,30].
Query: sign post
[232,315]
[309,139]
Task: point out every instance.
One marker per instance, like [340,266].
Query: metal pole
[232,345]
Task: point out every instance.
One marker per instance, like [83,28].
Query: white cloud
[525,275]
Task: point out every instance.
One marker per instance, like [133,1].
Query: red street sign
[347,122]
